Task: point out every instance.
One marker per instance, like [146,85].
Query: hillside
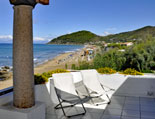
[82,37]
[139,34]
[79,37]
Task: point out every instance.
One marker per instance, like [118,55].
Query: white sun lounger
[95,89]
[65,90]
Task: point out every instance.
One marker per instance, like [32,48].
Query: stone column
[23,73]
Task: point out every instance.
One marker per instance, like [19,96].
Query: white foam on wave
[35,59]
[69,51]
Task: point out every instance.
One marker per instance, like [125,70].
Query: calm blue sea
[42,52]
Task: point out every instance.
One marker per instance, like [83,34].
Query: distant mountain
[139,34]
[82,37]
[79,37]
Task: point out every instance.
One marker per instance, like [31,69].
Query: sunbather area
[87,94]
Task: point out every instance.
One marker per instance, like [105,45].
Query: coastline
[58,62]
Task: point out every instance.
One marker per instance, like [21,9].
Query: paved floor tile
[132,99]
[110,117]
[148,103]
[131,113]
[145,108]
[148,118]
[92,116]
[146,99]
[131,107]
[94,110]
[147,114]
[115,106]
[118,99]
[132,102]
[49,116]
[113,112]
[125,117]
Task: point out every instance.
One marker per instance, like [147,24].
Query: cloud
[106,33]
[6,37]
[41,39]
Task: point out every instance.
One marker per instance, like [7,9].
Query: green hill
[82,37]
[139,34]
[79,37]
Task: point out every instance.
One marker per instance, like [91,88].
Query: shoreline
[58,62]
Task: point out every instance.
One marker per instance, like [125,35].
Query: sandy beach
[58,62]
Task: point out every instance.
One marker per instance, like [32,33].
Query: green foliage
[106,70]
[40,79]
[130,71]
[43,78]
[141,56]
[116,45]
[73,66]
[66,66]
[49,73]
[147,71]
[113,59]
[84,65]
[80,37]
[139,34]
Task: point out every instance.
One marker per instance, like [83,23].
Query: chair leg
[62,107]
[57,106]
[106,95]
[60,103]
[83,108]
[80,113]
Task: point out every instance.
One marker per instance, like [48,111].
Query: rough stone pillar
[23,73]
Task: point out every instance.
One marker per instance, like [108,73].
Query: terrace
[133,98]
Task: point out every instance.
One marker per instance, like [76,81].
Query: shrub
[147,71]
[106,70]
[130,71]
[84,65]
[43,78]
[66,66]
[112,58]
[40,79]
[73,66]
[49,73]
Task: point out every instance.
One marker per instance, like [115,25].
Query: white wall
[138,86]
[6,98]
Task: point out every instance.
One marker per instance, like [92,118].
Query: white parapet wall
[4,99]
[138,86]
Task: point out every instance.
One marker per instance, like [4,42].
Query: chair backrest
[79,85]
[64,85]
[76,77]
[90,79]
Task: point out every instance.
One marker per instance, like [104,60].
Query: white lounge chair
[80,87]
[95,89]
[65,90]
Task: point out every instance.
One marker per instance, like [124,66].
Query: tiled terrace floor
[121,107]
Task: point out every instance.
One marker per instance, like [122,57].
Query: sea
[42,52]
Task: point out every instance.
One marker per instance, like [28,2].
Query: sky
[101,17]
